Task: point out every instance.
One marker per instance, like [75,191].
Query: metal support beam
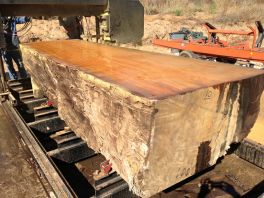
[55,2]
[52,7]
[125,18]
[2,74]
[3,86]
[72,153]
[97,28]
[51,10]
[47,126]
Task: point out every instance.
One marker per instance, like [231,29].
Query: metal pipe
[2,45]
[97,26]
[2,74]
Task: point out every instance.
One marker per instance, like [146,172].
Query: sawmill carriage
[248,52]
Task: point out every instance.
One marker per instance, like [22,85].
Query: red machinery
[247,53]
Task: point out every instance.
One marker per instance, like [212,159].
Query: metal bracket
[8,96]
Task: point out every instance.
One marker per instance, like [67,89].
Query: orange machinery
[249,52]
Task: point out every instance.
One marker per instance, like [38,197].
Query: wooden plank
[158,118]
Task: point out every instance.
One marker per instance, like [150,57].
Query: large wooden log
[158,118]
[257,132]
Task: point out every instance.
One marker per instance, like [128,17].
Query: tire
[175,52]
[227,60]
[189,54]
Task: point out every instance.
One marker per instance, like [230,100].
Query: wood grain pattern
[159,119]
[146,74]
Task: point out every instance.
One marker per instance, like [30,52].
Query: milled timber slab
[158,118]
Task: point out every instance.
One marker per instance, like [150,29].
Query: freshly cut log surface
[158,118]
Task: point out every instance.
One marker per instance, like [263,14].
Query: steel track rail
[56,180]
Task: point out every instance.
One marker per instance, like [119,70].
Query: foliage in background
[224,10]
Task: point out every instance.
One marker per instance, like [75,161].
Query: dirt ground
[17,177]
